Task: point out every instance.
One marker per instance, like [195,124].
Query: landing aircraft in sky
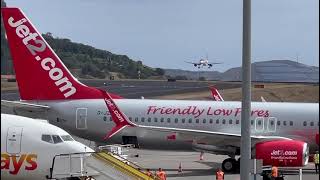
[28,147]
[282,133]
[203,62]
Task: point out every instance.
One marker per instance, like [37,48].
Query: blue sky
[165,33]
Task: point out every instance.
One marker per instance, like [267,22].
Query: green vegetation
[98,63]
[85,61]
[6,63]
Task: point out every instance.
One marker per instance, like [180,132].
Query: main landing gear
[231,165]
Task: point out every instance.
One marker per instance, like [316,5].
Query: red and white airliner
[282,132]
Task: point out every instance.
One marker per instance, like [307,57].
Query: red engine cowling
[283,153]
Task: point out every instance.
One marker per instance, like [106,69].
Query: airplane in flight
[28,147]
[282,133]
[203,62]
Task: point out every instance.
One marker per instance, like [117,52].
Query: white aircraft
[281,132]
[203,62]
[28,147]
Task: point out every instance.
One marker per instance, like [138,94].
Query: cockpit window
[67,138]
[47,138]
[56,139]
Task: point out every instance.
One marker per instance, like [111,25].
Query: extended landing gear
[231,165]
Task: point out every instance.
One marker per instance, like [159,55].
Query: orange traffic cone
[180,168]
[201,156]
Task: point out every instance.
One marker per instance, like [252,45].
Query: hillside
[85,61]
[6,63]
[267,71]
[89,61]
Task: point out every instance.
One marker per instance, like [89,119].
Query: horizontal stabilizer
[23,105]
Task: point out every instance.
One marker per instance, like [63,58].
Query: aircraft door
[81,118]
[14,140]
[272,124]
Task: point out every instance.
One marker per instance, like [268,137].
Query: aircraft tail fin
[40,73]
[215,94]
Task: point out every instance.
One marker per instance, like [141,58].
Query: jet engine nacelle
[283,153]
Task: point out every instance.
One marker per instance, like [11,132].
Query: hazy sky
[165,33]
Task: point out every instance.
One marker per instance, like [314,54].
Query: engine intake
[285,153]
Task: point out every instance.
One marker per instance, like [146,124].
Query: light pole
[246,93]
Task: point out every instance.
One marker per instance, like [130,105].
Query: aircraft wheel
[229,165]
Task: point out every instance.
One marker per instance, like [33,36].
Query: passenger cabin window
[210,121]
[252,122]
[204,121]
[278,123]
[190,120]
[130,118]
[142,119]
[136,119]
[110,119]
[284,123]
[197,120]
[230,121]
[217,121]
[168,120]
[149,119]
[47,138]
[155,119]
[305,123]
[271,123]
[176,120]
[223,121]
[162,120]
[259,122]
[312,123]
[291,123]
[183,120]
[237,121]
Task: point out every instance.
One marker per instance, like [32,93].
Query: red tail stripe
[40,73]
[117,116]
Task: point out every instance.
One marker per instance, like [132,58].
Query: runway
[134,89]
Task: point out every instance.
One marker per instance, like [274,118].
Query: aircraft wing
[23,106]
[210,137]
[214,63]
[192,63]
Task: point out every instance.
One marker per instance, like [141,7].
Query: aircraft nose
[78,147]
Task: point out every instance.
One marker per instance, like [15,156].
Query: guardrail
[120,163]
